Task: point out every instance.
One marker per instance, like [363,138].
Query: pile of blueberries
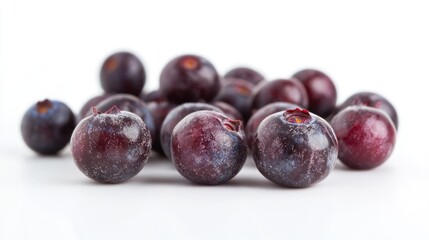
[207,124]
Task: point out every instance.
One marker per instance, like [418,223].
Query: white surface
[54,49]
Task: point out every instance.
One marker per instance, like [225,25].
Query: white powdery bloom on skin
[131,132]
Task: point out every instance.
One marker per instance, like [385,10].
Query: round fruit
[208,148]
[111,147]
[47,126]
[366,136]
[189,78]
[321,91]
[295,148]
[122,72]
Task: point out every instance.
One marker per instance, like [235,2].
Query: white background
[54,49]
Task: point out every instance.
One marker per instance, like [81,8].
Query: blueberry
[47,126]
[123,72]
[208,148]
[174,116]
[189,78]
[366,136]
[321,91]
[111,147]
[295,148]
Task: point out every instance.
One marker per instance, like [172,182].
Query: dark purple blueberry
[208,148]
[159,112]
[174,116]
[229,110]
[122,72]
[281,90]
[237,93]
[374,100]
[257,117]
[321,91]
[92,103]
[245,73]
[295,148]
[154,96]
[130,103]
[189,78]
[366,136]
[111,147]
[47,126]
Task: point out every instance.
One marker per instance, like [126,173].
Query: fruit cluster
[207,124]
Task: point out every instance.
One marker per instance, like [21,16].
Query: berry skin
[281,90]
[189,78]
[92,102]
[174,116]
[130,103]
[228,110]
[122,72]
[295,148]
[47,126]
[154,96]
[366,136]
[159,111]
[237,93]
[247,74]
[321,91]
[208,148]
[111,147]
[374,100]
[257,117]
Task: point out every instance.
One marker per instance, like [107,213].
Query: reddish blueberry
[189,78]
[366,136]
[281,90]
[321,91]
[174,116]
[111,147]
[208,148]
[295,148]
[122,72]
